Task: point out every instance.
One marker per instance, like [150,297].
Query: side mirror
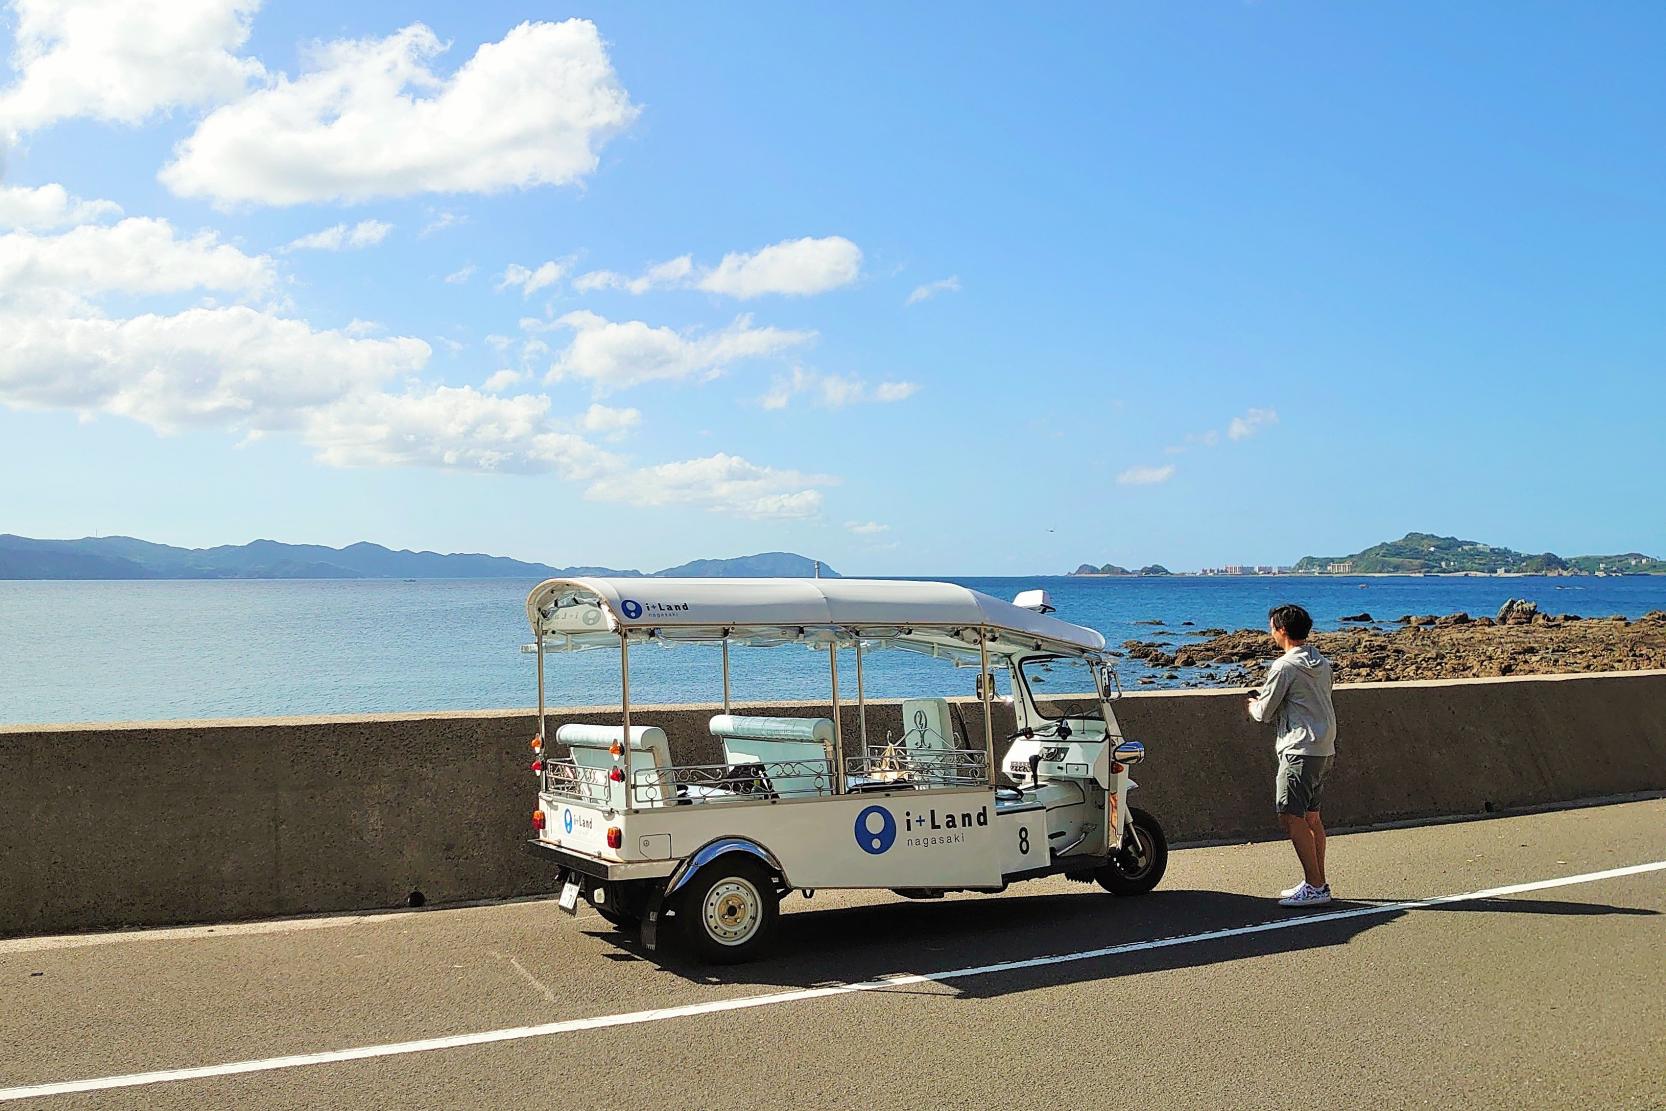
[1128,752]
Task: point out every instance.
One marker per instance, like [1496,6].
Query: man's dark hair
[1291,620]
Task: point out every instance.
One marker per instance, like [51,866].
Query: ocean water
[112,651]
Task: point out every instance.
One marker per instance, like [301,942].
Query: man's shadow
[844,945]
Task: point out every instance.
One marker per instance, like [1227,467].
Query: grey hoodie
[1297,696]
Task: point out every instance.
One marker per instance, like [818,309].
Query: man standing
[1297,697]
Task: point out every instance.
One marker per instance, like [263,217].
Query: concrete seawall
[147,824]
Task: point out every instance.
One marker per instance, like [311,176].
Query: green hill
[1426,553]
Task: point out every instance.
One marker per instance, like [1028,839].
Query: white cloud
[439,220]
[45,207]
[662,275]
[832,391]
[138,255]
[867,528]
[1145,476]
[458,277]
[232,368]
[516,276]
[370,118]
[501,380]
[895,391]
[615,355]
[1242,428]
[123,60]
[611,423]
[926,292]
[721,482]
[449,427]
[795,266]
[365,233]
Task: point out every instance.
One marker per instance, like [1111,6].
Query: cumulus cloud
[138,255]
[530,280]
[459,276]
[1145,476]
[1242,428]
[615,355]
[501,380]
[611,423]
[123,60]
[234,368]
[926,292]
[794,267]
[449,427]
[45,207]
[724,483]
[370,118]
[365,233]
[867,528]
[832,391]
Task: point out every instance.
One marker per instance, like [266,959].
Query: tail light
[537,819]
[1117,768]
[615,837]
[537,765]
[537,744]
[617,775]
[616,749]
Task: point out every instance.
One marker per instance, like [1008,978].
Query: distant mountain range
[1425,553]
[123,557]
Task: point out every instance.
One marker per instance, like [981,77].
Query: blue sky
[940,290]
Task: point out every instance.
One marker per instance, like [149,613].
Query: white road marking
[633,1018]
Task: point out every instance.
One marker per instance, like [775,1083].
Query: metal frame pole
[625,709]
[725,671]
[838,729]
[986,683]
[542,753]
[861,698]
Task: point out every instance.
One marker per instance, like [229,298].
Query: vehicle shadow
[844,945]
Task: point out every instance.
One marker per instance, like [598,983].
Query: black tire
[1152,858]
[729,911]
[619,921]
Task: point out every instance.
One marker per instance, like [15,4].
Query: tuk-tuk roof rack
[943,618]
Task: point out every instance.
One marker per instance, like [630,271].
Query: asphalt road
[1552,996]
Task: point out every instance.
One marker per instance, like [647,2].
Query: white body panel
[941,838]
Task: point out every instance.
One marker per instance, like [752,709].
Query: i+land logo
[567,820]
[876,830]
[632,608]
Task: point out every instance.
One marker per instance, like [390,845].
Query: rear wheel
[1140,866]
[729,911]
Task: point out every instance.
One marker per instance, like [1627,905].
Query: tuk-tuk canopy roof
[589,612]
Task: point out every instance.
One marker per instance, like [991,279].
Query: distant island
[1423,553]
[123,557]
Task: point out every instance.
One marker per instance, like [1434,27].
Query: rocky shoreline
[1520,640]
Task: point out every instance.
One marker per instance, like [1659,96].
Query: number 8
[1024,840]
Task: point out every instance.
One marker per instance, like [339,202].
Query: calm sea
[107,651]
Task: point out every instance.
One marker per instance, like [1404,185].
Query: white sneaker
[1289,891]
[1307,896]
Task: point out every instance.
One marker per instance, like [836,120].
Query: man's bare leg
[1295,826]
[1317,827]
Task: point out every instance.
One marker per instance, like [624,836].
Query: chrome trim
[714,849]
[1128,752]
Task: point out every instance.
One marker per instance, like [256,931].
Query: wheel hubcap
[1141,852]
[733,911]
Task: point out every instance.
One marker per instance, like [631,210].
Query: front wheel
[729,911]
[1139,867]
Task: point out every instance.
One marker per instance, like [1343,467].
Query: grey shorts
[1300,782]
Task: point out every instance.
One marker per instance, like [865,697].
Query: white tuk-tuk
[798,803]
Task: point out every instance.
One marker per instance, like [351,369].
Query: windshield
[1062,687]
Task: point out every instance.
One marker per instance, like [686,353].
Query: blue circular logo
[567,820]
[632,609]
[876,830]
